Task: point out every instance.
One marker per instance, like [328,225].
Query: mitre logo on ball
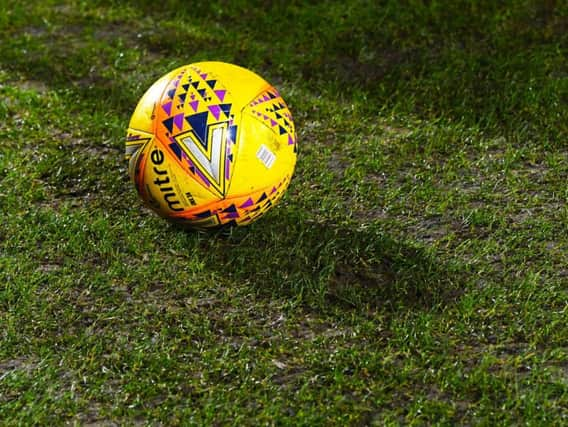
[211,144]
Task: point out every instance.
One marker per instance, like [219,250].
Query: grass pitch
[416,271]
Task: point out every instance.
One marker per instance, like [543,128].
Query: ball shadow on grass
[322,263]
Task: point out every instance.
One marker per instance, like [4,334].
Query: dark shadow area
[341,265]
[493,64]
[483,63]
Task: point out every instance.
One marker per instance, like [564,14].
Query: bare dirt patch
[32,85]
[24,364]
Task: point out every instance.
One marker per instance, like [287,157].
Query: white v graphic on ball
[209,160]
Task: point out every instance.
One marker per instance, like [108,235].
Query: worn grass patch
[415,272]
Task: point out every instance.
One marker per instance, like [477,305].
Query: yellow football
[211,144]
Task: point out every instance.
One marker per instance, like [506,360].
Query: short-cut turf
[416,271]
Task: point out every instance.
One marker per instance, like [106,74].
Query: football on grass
[211,144]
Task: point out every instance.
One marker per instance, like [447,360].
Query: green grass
[416,271]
